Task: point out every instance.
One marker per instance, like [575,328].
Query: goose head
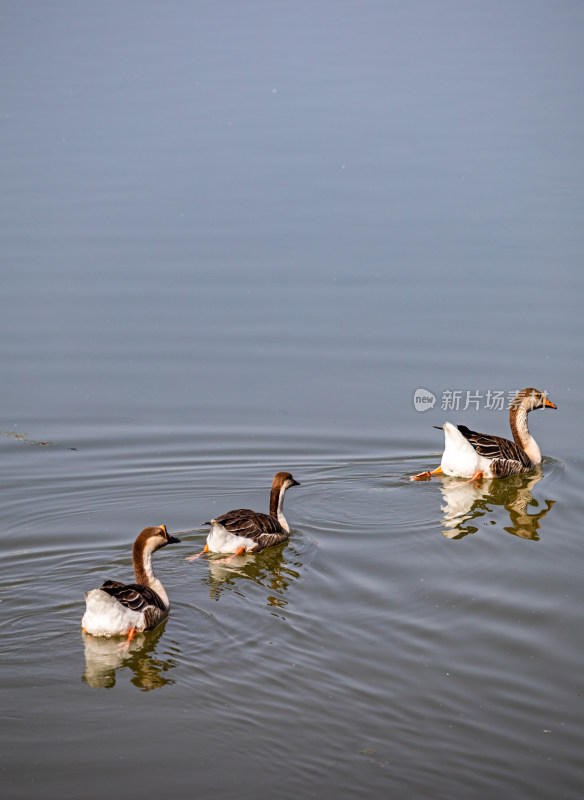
[530,399]
[283,480]
[152,539]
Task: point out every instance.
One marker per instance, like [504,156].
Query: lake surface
[237,239]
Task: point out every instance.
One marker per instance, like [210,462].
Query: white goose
[468,454]
[119,609]
[246,531]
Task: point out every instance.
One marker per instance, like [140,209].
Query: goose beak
[549,404]
[170,539]
[295,483]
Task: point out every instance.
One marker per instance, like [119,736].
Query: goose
[246,531]
[468,454]
[117,608]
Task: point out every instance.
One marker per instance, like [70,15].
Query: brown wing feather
[503,468]
[271,539]
[135,596]
[508,457]
[263,529]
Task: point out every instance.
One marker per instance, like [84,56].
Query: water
[236,239]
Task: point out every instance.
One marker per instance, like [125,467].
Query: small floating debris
[22,437]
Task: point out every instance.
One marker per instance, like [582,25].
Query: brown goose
[246,531]
[468,454]
[118,608]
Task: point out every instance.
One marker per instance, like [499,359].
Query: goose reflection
[269,569]
[103,657]
[466,503]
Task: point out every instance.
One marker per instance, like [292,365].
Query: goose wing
[134,596]
[251,525]
[499,450]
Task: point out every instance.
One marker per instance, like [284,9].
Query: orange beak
[549,404]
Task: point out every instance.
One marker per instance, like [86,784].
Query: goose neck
[277,505]
[142,558]
[518,422]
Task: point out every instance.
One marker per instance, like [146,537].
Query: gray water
[236,239]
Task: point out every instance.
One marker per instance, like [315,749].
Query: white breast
[105,616]
[220,540]
[460,459]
